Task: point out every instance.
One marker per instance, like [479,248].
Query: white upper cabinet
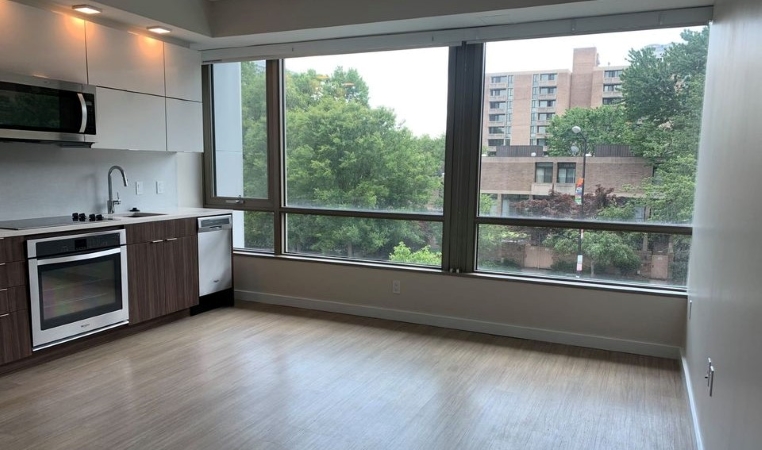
[183,72]
[185,131]
[130,121]
[121,60]
[41,43]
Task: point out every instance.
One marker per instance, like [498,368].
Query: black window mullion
[276,149]
[464,142]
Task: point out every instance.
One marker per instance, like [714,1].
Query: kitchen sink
[141,214]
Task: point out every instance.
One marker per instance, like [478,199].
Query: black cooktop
[45,222]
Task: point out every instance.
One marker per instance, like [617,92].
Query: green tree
[663,97]
[605,125]
[343,154]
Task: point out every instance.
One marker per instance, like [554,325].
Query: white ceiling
[212,24]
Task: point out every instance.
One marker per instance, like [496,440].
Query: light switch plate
[159,187]
[138,188]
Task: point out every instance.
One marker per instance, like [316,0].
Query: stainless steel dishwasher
[215,262]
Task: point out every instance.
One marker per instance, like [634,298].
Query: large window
[343,157]
[624,172]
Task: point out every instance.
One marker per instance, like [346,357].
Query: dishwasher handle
[215,223]
[215,228]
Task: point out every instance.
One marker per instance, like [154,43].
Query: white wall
[38,180]
[586,317]
[724,284]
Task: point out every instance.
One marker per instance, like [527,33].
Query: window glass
[361,136]
[566,172]
[396,241]
[253,230]
[641,258]
[543,173]
[637,142]
[240,129]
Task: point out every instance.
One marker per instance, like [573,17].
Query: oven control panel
[67,245]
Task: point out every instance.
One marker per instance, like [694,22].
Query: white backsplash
[40,180]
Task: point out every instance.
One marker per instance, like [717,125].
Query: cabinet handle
[4,290]
[171,239]
[157,241]
[5,315]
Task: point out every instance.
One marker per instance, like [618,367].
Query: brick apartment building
[519,106]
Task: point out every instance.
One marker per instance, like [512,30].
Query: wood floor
[268,377]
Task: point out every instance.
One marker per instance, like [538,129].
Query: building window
[567,172]
[495,142]
[545,116]
[543,173]
[499,79]
[541,129]
[547,90]
[497,117]
[612,73]
[510,92]
[497,105]
[547,76]
[611,100]
[496,92]
[612,87]
[496,130]
[547,103]
[543,142]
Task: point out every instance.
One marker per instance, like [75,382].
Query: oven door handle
[83,257]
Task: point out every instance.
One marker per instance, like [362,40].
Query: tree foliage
[423,257]
[604,125]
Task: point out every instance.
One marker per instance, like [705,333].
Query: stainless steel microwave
[44,110]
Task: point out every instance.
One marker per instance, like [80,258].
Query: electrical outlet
[138,188]
[396,287]
[159,187]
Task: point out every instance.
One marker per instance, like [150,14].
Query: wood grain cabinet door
[181,269]
[15,336]
[145,266]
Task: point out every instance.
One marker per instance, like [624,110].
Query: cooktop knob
[74,216]
[82,217]
[91,217]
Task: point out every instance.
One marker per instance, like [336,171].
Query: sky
[414,82]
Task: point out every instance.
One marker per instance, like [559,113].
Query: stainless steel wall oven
[78,285]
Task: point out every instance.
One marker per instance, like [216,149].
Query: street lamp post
[581,187]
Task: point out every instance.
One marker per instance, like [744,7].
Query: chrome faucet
[111,201]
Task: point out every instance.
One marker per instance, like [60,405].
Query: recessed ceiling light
[86,9]
[159,30]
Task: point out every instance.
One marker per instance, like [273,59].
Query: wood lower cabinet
[163,272]
[15,332]
[15,336]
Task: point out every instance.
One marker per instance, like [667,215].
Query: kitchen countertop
[121,220]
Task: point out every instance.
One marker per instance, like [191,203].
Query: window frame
[566,166]
[466,95]
[547,172]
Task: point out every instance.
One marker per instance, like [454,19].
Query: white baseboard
[499,329]
[691,400]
